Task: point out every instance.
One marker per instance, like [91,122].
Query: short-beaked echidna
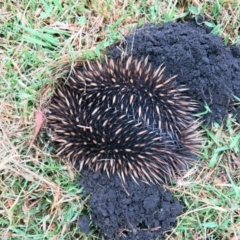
[121,116]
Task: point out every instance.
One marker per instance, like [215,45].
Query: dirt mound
[135,211]
[199,58]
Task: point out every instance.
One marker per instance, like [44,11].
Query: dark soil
[200,60]
[84,224]
[135,211]
[211,71]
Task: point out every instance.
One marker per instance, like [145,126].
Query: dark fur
[122,116]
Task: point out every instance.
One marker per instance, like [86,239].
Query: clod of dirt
[84,224]
[199,58]
[131,211]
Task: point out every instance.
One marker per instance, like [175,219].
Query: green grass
[38,197]
[211,190]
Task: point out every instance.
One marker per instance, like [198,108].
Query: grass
[38,197]
[211,190]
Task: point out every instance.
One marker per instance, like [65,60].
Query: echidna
[121,116]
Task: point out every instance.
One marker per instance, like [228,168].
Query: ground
[39,196]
